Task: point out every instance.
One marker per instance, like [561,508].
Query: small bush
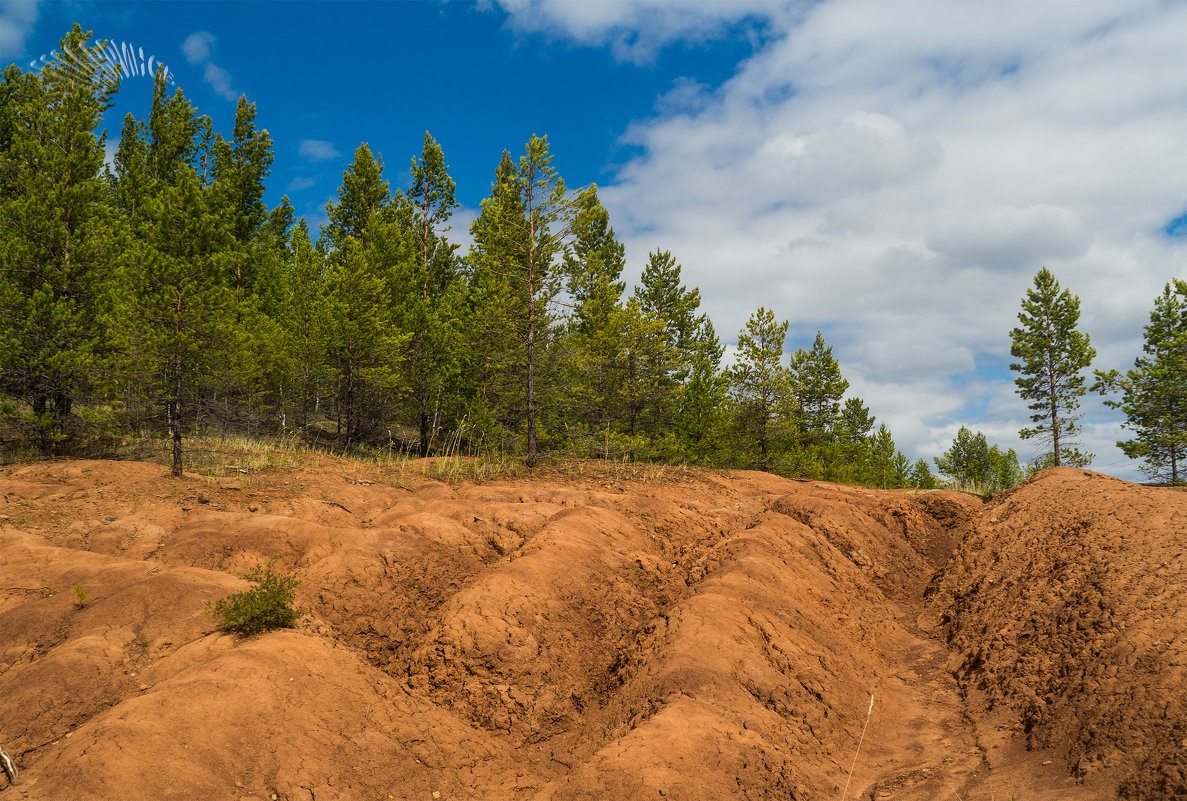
[80,596]
[268,605]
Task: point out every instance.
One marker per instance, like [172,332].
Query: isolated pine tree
[1154,392]
[1052,354]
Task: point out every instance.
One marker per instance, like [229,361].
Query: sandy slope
[705,636]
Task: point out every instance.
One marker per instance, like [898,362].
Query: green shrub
[268,605]
[80,596]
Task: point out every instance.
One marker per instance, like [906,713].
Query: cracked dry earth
[696,635]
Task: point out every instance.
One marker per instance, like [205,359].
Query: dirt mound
[1067,605]
[686,635]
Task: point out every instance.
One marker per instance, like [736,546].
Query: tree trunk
[175,416]
[531,460]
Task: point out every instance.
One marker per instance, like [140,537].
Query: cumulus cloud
[317,150]
[198,50]
[636,29]
[17,18]
[895,174]
[196,47]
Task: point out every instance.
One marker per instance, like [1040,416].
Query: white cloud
[220,81]
[198,48]
[896,173]
[300,182]
[17,18]
[317,150]
[636,29]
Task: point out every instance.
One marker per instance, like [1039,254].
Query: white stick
[870,711]
[9,766]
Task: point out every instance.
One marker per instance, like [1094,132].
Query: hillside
[678,634]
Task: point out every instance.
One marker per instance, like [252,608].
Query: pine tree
[884,453]
[817,387]
[593,343]
[660,292]
[362,202]
[178,322]
[239,169]
[592,264]
[921,476]
[759,382]
[430,304]
[56,245]
[432,198]
[646,361]
[1154,392]
[1051,354]
[306,322]
[523,226]
[702,409]
[364,348]
[368,256]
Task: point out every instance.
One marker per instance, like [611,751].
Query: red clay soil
[688,635]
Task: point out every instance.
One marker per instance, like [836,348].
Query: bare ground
[688,635]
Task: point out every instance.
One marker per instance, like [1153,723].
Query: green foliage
[524,224]
[759,381]
[56,247]
[80,596]
[267,605]
[1154,393]
[1052,355]
[971,463]
[816,389]
[162,295]
[921,476]
[176,323]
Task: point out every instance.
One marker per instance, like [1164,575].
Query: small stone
[238,783]
[1046,762]
[109,519]
[436,794]
[203,499]
[253,508]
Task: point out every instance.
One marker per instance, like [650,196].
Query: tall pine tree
[57,246]
[1154,392]
[1052,355]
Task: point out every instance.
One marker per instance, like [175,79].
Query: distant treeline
[162,295]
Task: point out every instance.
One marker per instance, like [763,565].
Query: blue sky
[893,174]
[326,77]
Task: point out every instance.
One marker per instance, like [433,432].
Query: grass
[459,460]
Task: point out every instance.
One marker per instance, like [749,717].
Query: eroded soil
[696,635]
